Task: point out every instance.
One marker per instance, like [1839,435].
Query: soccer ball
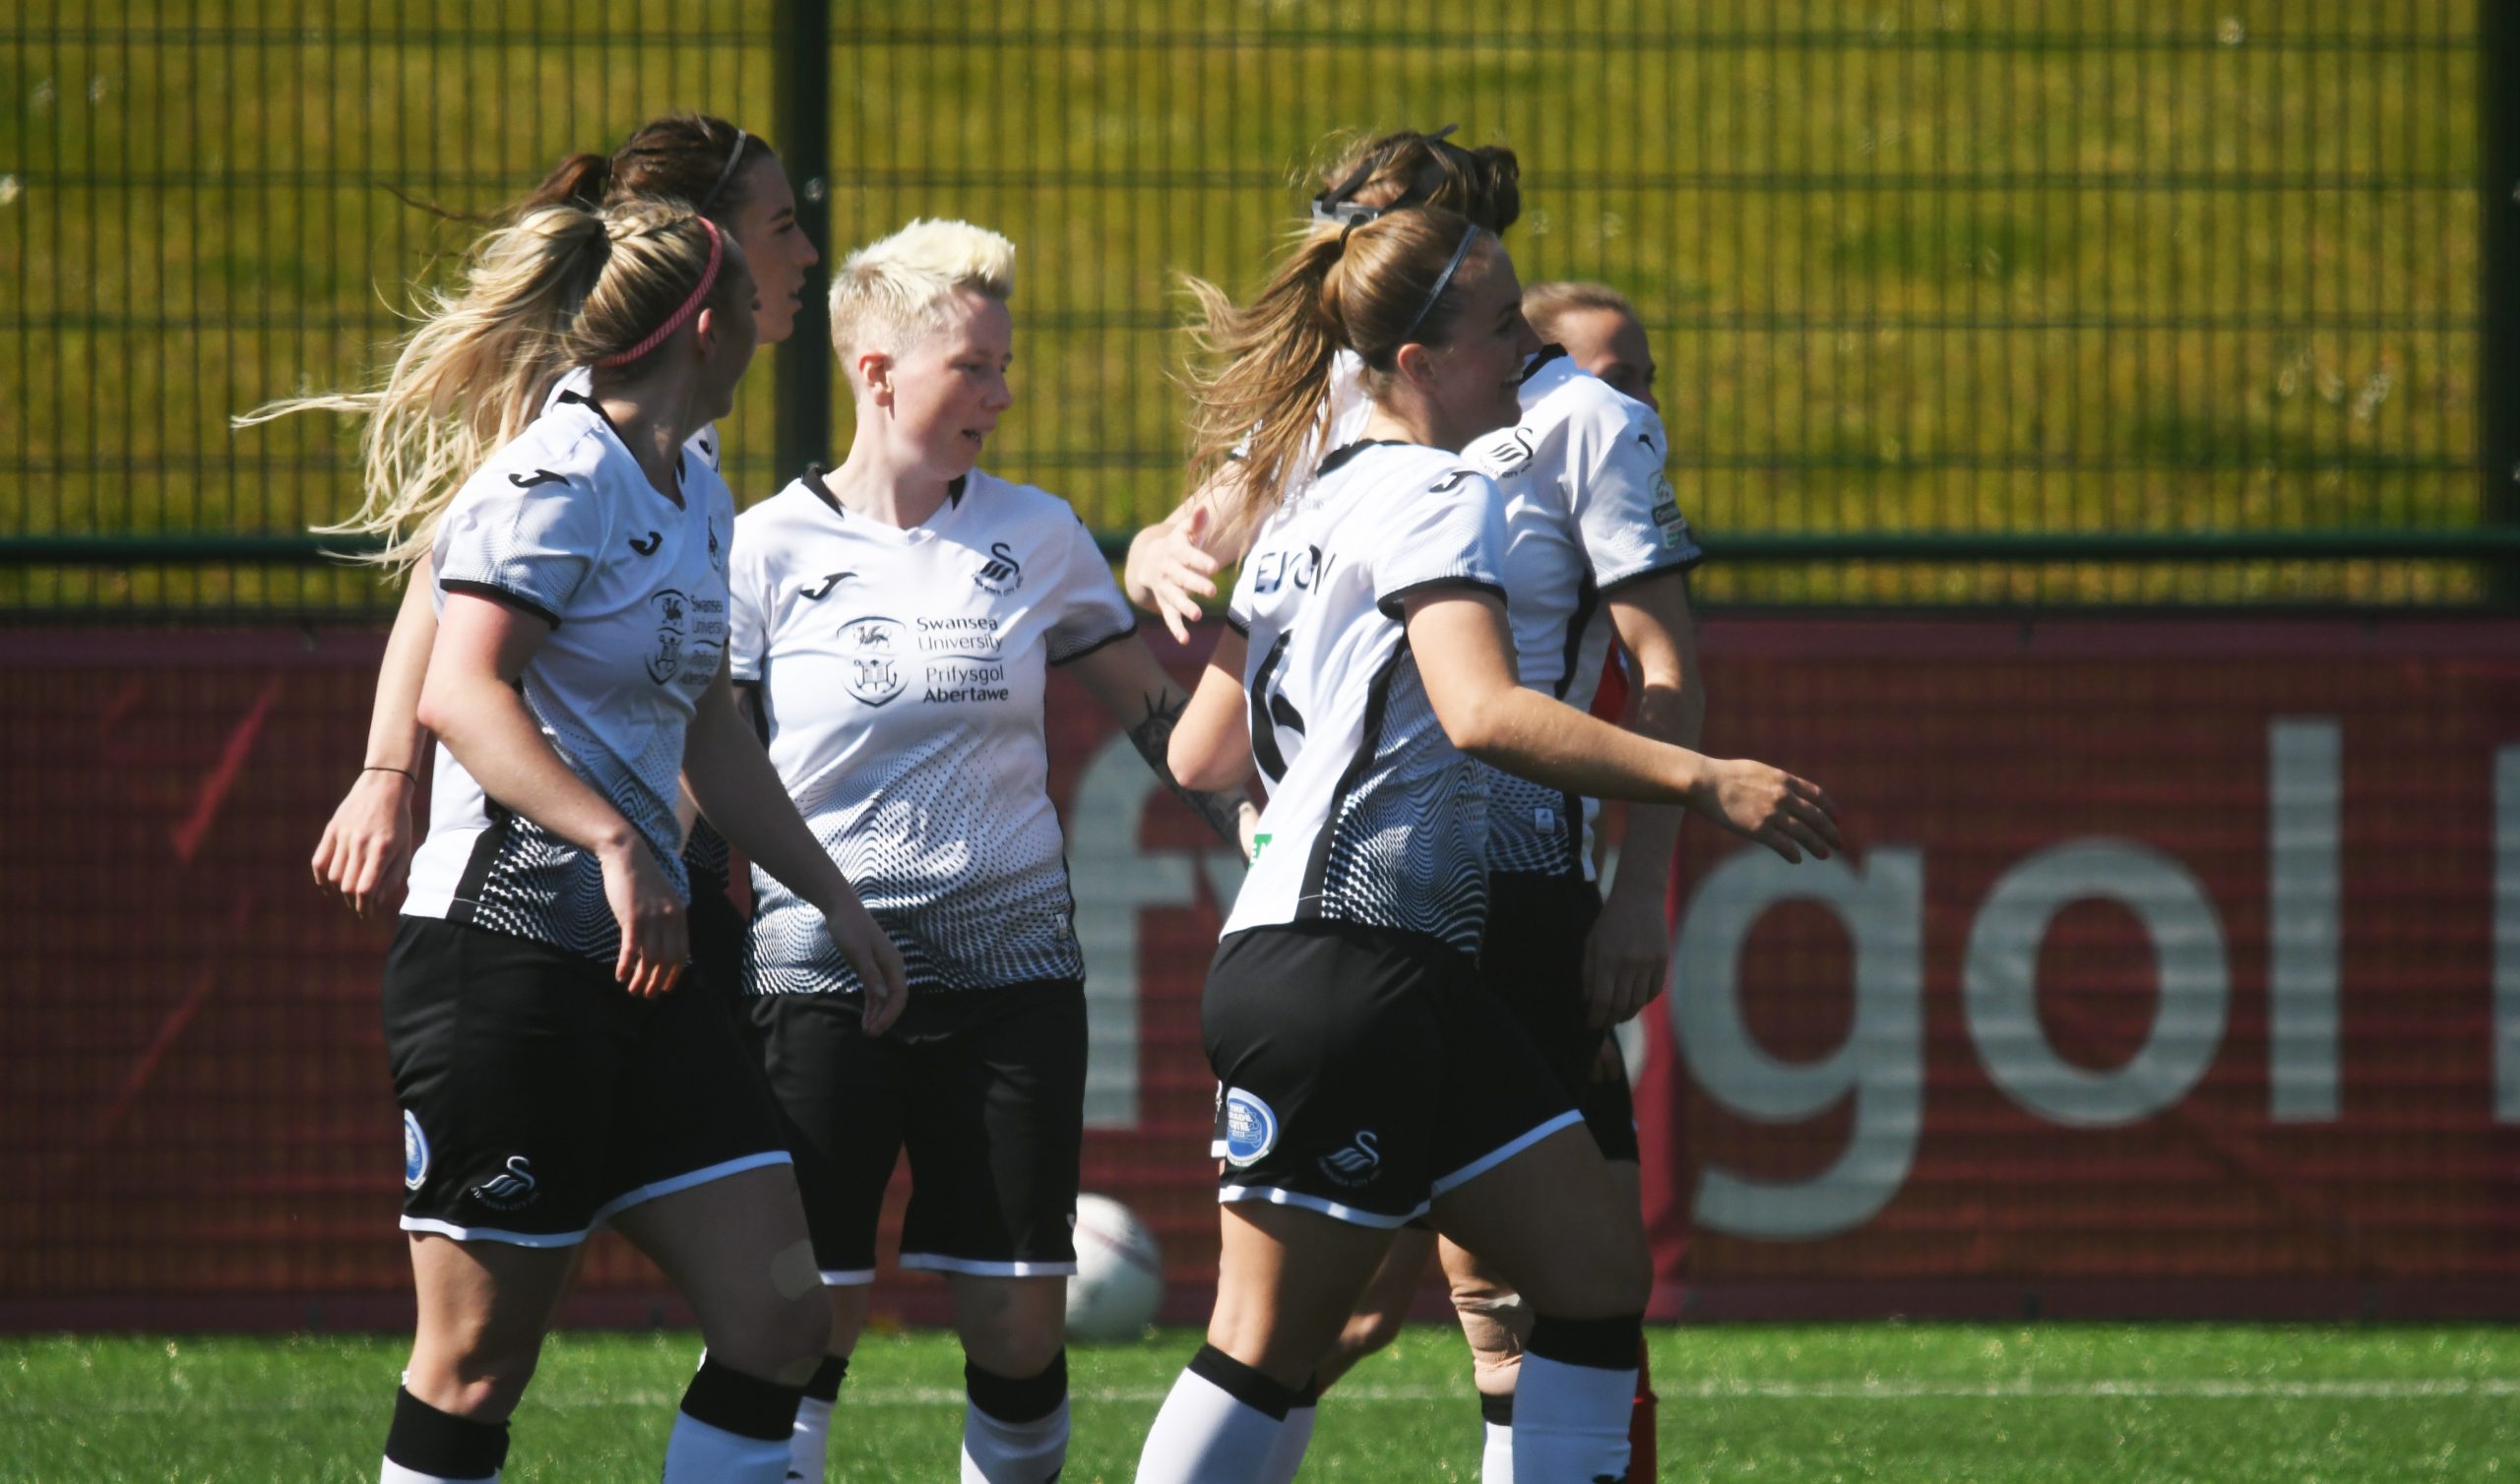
[1119,1274]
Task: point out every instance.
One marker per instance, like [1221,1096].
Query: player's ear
[705,325]
[875,370]
[1416,365]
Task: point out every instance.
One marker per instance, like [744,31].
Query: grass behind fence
[1981,267]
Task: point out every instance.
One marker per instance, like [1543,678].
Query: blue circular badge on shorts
[416,1153]
[1250,1128]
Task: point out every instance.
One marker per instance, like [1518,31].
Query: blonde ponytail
[562,286]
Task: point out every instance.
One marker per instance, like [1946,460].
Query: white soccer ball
[1119,1274]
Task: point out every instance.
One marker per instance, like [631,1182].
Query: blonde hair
[562,286]
[1547,304]
[892,292]
[1370,289]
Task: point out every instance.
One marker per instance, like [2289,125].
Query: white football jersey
[563,523]
[704,849]
[1374,816]
[901,678]
[1587,510]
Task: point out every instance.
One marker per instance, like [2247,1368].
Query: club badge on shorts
[1250,1128]
[415,1151]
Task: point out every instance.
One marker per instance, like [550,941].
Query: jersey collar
[1351,451]
[569,394]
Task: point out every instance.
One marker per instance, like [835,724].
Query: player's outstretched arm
[472,702]
[732,781]
[1131,686]
[1465,659]
[1627,957]
[367,843]
[1211,745]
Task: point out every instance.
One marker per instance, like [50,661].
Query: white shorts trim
[546,1239]
[1506,1151]
[1232,1195]
[683,1182]
[928,1262]
[847,1277]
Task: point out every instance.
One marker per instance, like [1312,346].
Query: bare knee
[479,1372]
[848,1306]
[1612,1275]
[1011,1326]
[779,1329]
[1369,1330]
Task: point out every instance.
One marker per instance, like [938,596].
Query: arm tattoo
[1153,735]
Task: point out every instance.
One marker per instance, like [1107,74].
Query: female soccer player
[1588,510]
[1369,1077]
[898,615]
[549,1082]
[732,177]
[1597,549]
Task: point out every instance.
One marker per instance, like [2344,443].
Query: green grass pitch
[2227,1403]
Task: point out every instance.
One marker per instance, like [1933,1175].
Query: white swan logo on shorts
[510,1191]
[415,1151]
[1250,1128]
[1355,1164]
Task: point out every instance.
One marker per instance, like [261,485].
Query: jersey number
[1270,711]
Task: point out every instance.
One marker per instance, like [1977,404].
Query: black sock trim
[1497,1411]
[1605,1344]
[427,1441]
[1011,1399]
[825,1384]
[745,1405]
[1241,1382]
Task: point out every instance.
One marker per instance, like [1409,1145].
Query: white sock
[1294,1435]
[396,1473]
[1570,1421]
[807,1445]
[1496,1457]
[998,1451]
[745,1444]
[1219,1426]
[1496,1422]
[698,1454]
[809,1441]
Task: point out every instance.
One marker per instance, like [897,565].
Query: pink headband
[673,320]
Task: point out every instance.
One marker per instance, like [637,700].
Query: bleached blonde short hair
[889,295]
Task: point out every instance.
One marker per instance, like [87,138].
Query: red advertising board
[2174,967]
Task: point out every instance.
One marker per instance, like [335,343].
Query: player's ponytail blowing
[563,287]
[1265,385]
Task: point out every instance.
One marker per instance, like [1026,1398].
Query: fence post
[800,46]
[2498,269]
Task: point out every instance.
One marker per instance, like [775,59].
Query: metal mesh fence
[1965,302]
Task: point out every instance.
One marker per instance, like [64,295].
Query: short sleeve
[1631,521]
[747,608]
[1447,533]
[1088,610]
[528,536]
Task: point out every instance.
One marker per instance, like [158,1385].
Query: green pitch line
[2228,1403]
